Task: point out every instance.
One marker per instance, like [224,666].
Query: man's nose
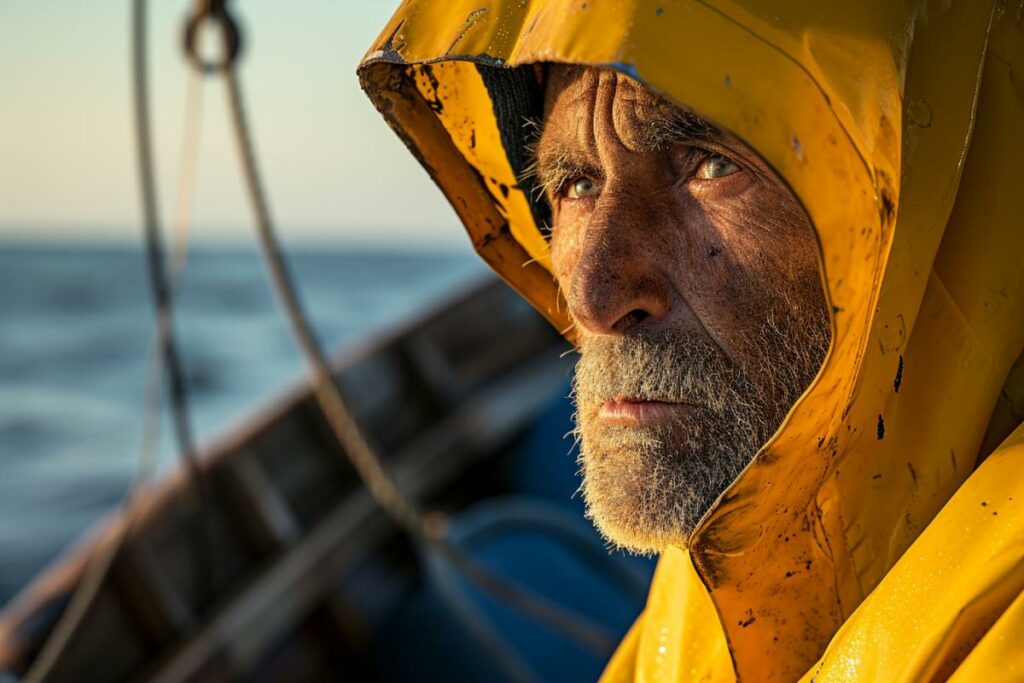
[617,283]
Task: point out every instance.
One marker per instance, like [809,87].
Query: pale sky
[334,172]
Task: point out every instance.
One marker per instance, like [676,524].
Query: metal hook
[215,10]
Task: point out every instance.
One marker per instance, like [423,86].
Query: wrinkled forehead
[575,95]
[569,85]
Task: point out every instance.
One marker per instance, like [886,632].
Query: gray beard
[647,486]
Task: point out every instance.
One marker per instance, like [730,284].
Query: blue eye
[716,166]
[581,188]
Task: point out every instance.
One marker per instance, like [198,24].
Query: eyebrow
[557,162]
[679,127]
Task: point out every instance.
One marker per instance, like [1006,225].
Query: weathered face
[691,274]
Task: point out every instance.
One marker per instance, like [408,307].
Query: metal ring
[231,36]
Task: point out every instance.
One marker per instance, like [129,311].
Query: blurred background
[370,238]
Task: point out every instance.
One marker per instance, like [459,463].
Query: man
[798,298]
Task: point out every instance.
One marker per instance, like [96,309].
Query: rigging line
[430,529]
[342,422]
[188,173]
[99,564]
[163,301]
[188,165]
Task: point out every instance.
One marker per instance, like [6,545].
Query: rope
[340,419]
[428,532]
[188,172]
[424,529]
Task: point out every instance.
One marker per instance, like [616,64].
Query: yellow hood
[867,111]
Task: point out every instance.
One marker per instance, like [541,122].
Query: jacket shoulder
[953,606]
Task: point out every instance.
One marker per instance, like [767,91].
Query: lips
[628,411]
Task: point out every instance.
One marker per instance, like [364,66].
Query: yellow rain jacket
[879,535]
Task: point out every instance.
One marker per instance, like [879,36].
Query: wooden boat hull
[283,592]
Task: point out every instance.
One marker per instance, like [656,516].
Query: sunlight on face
[691,275]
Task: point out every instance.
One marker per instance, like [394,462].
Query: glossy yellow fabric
[943,597]
[675,638]
[899,126]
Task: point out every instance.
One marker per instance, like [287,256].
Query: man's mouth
[635,411]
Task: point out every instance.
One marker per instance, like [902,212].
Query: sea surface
[76,334]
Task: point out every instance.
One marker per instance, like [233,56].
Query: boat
[287,570]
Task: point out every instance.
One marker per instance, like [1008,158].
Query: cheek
[763,235]
[564,245]
[752,255]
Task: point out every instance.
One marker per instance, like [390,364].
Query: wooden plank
[263,507]
[151,597]
[300,580]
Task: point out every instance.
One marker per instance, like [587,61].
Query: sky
[334,172]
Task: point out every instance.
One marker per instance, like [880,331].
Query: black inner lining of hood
[518,99]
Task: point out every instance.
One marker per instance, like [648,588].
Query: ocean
[76,330]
